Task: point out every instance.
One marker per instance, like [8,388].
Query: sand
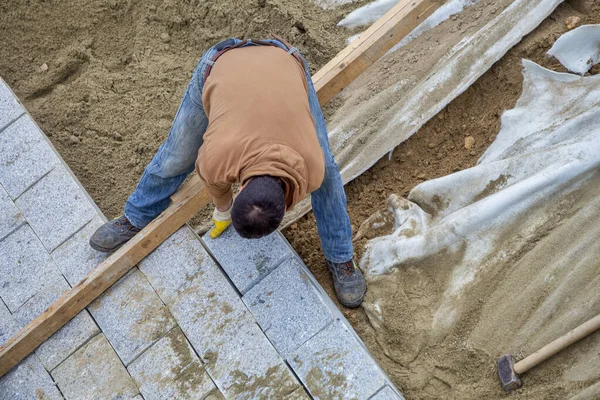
[117,71]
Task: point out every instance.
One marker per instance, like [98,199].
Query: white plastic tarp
[518,232]
[361,134]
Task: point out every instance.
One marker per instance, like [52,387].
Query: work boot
[349,283]
[113,234]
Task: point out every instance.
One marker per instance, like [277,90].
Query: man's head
[259,207]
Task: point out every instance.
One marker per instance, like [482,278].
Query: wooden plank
[371,45]
[192,196]
[190,199]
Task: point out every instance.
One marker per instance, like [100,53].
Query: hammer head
[506,371]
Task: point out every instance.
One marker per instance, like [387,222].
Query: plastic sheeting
[579,49]
[361,134]
[519,232]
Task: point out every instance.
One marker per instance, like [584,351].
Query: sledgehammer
[509,371]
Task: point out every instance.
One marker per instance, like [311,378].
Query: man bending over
[250,115]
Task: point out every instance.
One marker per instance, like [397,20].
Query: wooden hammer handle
[552,348]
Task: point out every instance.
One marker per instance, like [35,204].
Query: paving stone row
[255,325]
[299,318]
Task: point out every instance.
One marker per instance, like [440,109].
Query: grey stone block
[28,380]
[207,305]
[25,267]
[247,261]
[131,316]
[56,207]
[386,394]
[171,370]
[94,372]
[10,216]
[68,338]
[25,156]
[244,365]
[8,324]
[178,262]
[54,287]
[333,364]
[10,107]
[288,307]
[75,258]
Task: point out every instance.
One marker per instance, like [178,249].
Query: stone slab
[298,394]
[94,372]
[8,324]
[67,339]
[244,365]
[288,307]
[131,315]
[28,380]
[171,370]
[25,267]
[56,207]
[25,156]
[75,258]
[178,262]
[10,107]
[247,261]
[10,216]
[333,364]
[386,394]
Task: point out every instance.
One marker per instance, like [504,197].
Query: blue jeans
[176,158]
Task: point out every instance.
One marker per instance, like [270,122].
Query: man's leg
[333,222]
[170,166]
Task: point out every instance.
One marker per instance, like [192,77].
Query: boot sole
[104,249]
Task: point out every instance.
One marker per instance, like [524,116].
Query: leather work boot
[113,234]
[349,283]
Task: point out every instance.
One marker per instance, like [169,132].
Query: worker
[250,115]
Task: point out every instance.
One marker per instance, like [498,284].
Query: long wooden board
[370,46]
[192,196]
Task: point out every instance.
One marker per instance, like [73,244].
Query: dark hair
[259,208]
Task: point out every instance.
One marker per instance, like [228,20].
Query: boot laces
[347,268]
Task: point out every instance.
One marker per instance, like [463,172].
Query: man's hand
[222,220]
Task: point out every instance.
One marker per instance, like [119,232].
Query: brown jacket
[260,123]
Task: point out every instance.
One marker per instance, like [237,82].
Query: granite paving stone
[25,156]
[56,207]
[244,365]
[67,339]
[131,315]
[28,380]
[171,370]
[10,107]
[333,364]
[10,216]
[94,372]
[75,258]
[386,394]
[288,307]
[8,324]
[247,261]
[179,261]
[25,267]
[54,286]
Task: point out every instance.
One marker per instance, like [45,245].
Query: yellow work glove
[221,219]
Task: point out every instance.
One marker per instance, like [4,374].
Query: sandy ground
[116,71]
